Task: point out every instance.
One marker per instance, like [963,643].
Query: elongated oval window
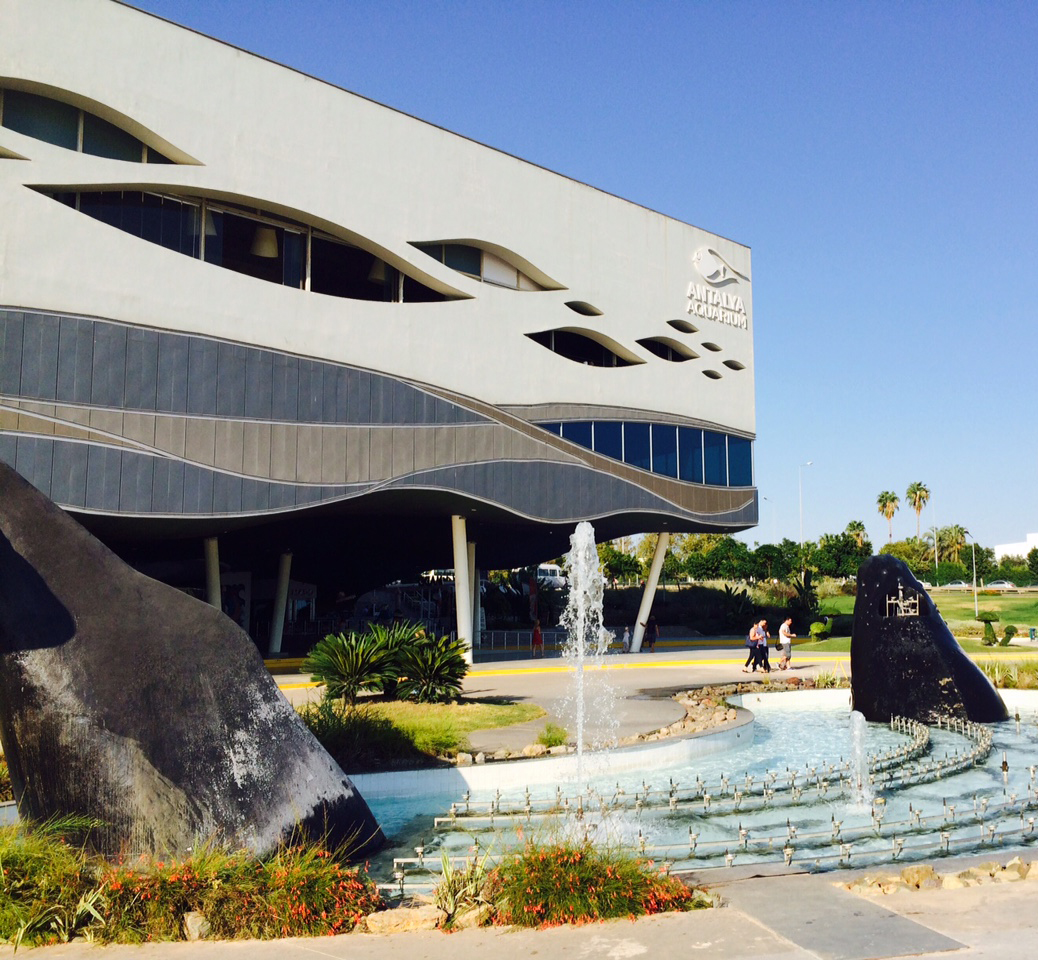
[64,125]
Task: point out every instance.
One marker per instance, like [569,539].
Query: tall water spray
[862,792]
[587,640]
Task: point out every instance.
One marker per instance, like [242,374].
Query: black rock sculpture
[124,700]
[904,660]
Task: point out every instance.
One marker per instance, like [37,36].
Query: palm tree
[917,494]
[888,502]
[956,541]
[857,530]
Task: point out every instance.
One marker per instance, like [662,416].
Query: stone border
[925,877]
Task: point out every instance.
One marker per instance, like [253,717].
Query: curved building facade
[239,302]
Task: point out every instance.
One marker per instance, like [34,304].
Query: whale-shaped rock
[904,660]
[126,701]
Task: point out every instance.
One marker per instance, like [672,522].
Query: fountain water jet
[592,698]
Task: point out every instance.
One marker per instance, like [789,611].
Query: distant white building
[1016,549]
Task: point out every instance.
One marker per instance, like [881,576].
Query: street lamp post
[973,548]
[803,564]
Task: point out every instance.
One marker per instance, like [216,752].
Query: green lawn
[956,606]
[970,645]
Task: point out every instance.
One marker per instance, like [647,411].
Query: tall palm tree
[917,494]
[888,502]
[857,530]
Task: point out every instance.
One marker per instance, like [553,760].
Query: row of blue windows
[685,453]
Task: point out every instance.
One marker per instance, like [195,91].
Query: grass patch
[553,736]
[376,735]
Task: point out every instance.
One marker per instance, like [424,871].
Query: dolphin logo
[714,269]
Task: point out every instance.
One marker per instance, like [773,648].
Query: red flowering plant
[562,882]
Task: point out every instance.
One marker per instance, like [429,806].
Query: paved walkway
[645,682]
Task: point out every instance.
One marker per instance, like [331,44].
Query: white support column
[462,584]
[212,573]
[277,624]
[650,590]
[474,587]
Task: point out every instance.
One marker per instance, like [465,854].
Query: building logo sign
[707,299]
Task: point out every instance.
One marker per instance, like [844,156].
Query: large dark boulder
[904,660]
[124,700]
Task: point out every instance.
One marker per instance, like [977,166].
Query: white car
[1001,585]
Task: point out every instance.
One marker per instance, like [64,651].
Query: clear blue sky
[880,158]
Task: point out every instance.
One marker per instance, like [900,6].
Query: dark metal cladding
[127,701]
[904,660]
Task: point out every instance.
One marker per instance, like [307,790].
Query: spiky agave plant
[345,664]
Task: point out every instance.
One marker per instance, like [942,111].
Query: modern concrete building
[241,306]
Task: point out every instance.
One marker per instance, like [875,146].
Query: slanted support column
[277,625]
[650,590]
[462,584]
[212,573]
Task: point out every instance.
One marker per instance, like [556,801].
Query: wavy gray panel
[117,481]
[46,356]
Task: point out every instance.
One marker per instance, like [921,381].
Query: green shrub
[346,664]
[431,669]
[553,735]
[987,617]
[359,738]
[399,660]
[1008,634]
[52,890]
[570,883]
[819,630]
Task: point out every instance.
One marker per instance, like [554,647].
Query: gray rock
[196,927]
[403,919]
[125,700]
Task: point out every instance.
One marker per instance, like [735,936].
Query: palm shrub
[431,669]
[346,664]
[394,639]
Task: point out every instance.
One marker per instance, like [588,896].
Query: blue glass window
[42,118]
[578,432]
[690,454]
[555,428]
[740,462]
[715,469]
[609,439]
[636,445]
[665,449]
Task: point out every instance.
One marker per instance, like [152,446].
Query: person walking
[760,649]
[751,645]
[537,640]
[786,636]
[652,634]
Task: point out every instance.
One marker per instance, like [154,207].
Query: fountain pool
[793,793]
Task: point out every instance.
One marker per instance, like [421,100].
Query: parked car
[1001,585]
[957,583]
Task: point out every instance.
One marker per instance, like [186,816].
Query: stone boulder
[126,701]
[904,660]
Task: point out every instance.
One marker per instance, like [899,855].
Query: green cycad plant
[395,638]
[345,664]
[431,669]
